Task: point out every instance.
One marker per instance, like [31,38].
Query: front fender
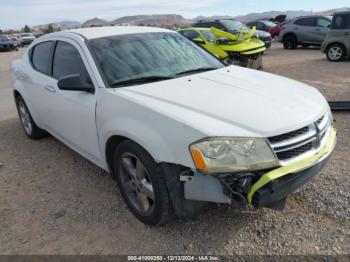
[123,113]
[139,132]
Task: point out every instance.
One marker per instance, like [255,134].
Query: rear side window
[341,22]
[67,61]
[41,57]
[309,21]
[218,25]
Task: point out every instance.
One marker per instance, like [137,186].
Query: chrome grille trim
[300,143]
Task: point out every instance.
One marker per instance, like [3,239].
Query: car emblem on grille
[318,136]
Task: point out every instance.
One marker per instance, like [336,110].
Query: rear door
[341,28]
[322,28]
[39,57]
[304,29]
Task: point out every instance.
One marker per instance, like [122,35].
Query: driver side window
[67,61]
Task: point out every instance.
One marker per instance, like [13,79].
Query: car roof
[214,20]
[105,31]
[308,16]
[196,29]
[341,13]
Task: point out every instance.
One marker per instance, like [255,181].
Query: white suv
[174,126]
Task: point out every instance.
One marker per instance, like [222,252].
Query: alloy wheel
[25,118]
[137,183]
[335,53]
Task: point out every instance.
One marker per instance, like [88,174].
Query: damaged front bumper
[250,61]
[261,190]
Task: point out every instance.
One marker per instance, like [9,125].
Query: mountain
[266,15]
[332,11]
[69,24]
[43,28]
[58,26]
[156,20]
[212,17]
[94,22]
[170,20]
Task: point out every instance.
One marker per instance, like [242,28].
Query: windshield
[157,56]
[208,34]
[234,25]
[25,35]
[269,24]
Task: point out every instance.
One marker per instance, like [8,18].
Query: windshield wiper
[140,80]
[197,70]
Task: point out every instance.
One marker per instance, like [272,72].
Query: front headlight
[218,155]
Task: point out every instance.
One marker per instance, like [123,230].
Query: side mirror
[198,41]
[75,83]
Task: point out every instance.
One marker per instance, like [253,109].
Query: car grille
[280,138]
[296,144]
[284,155]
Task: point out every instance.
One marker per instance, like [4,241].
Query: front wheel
[336,53]
[290,42]
[141,183]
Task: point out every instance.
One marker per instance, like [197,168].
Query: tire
[290,42]
[336,52]
[142,184]
[27,122]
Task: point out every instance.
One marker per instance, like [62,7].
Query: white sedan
[174,126]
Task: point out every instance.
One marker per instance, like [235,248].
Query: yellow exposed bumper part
[294,167]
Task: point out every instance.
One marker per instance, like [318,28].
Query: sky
[16,13]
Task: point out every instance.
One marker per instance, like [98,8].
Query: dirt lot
[53,201]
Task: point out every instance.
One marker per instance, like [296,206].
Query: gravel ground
[53,201]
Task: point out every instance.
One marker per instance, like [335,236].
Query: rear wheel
[290,42]
[28,124]
[336,53]
[141,183]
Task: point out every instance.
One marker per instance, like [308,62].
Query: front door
[305,29]
[70,115]
[341,29]
[321,29]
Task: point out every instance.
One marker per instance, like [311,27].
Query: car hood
[262,33]
[28,38]
[243,46]
[233,101]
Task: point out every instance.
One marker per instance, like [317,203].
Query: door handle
[50,89]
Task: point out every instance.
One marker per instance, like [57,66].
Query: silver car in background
[26,38]
[305,31]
